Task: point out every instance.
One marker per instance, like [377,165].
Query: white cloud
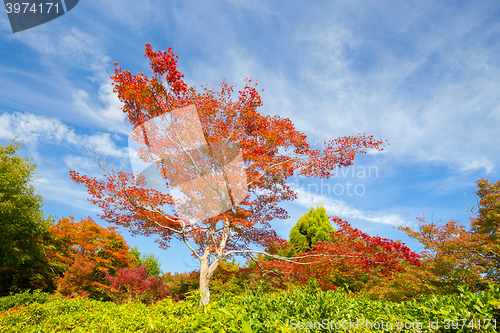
[36,129]
[111,116]
[356,84]
[327,46]
[343,210]
[479,163]
[112,111]
[6,132]
[103,143]
[74,49]
[31,128]
[56,189]
[80,163]
[436,100]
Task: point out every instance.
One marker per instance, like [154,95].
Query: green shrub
[277,312]
[24,298]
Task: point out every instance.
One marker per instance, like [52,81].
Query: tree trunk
[206,272]
[204,288]
[208,268]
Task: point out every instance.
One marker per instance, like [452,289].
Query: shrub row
[288,311]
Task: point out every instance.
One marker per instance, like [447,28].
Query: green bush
[278,312]
[24,298]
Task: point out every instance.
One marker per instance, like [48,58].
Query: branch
[293,260]
[225,236]
[262,271]
[295,158]
[181,146]
[188,245]
[139,209]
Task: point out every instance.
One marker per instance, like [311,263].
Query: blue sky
[424,75]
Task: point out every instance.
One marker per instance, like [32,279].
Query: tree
[23,225]
[149,260]
[410,283]
[180,284]
[487,221]
[84,253]
[311,228]
[459,255]
[358,257]
[227,163]
[229,277]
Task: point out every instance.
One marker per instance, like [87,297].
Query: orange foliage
[84,251]
[455,254]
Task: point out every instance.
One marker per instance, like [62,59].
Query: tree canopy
[230,162]
[148,259]
[310,229]
[456,254]
[84,253]
[23,224]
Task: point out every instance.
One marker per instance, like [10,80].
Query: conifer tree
[312,227]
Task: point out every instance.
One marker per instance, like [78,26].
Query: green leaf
[245,325]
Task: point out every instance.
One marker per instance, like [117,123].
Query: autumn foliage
[272,150]
[83,252]
[135,284]
[351,255]
[456,254]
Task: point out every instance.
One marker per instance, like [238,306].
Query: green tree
[23,225]
[311,228]
[151,261]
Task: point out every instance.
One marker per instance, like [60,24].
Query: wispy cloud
[341,209]
[436,101]
[80,163]
[56,189]
[72,47]
[402,76]
[62,55]
[40,129]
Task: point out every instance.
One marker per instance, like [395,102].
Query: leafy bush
[135,284]
[277,312]
[24,298]
[180,284]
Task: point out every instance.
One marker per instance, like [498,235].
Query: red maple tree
[269,147]
[355,255]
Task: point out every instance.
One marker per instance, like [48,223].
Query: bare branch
[293,260]
[188,245]
[102,165]
[262,271]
